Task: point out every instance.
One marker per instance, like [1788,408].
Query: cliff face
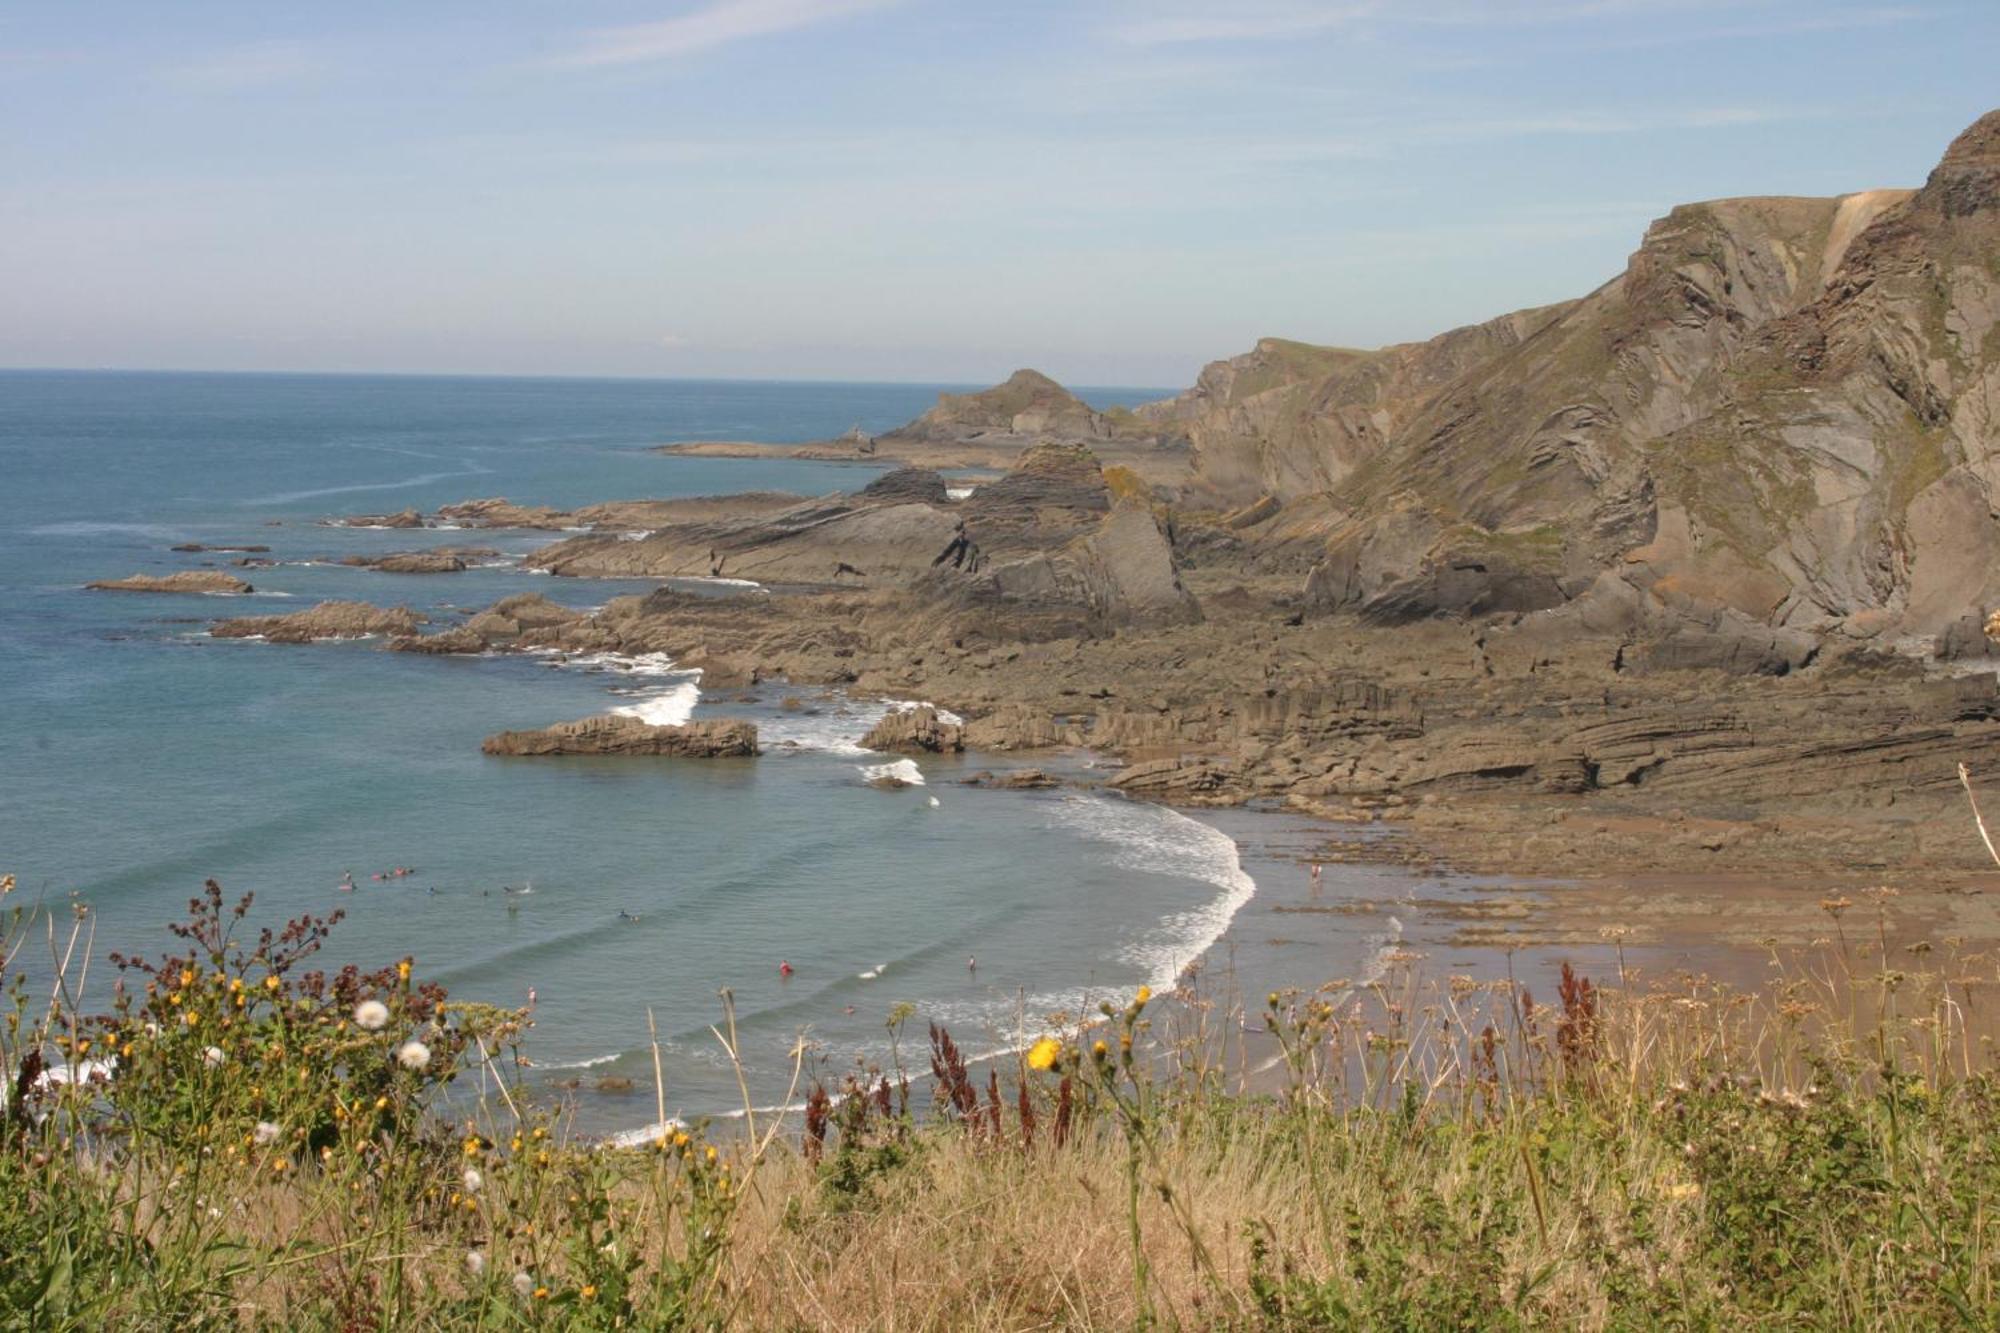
[1783,411]
[1288,419]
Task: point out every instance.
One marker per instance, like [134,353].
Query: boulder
[617,734]
[187,580]
[915,731]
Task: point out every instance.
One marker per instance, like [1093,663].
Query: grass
[1411,1153]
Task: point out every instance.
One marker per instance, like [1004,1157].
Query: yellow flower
[403,969]
[589,1292]
[1044,1053]
[1145,994]
[541,1293]
[1100,1050]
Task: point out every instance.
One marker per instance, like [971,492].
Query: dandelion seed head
[267,1134]
[212,1057]
[413,1055]
[371,1015]
[475,1262]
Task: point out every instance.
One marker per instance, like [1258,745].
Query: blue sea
[142,757]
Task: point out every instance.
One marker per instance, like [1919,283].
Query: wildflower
[1145,994]
[473,1180]
[271,982]
[589,1292]
[1044,1053]
[267,1133]
[212,1057]
[524,1286]
[1100,1050]
[475,1262]
[403,970]
[371,1015]
[413,1055]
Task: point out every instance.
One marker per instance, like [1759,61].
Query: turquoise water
[142,757]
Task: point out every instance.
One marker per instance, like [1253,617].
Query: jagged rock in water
[915,731]
[616,734]
[328,620]
[209,581]
[409,562]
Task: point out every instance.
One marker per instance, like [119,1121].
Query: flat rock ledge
[613,733]
[915,731]
[188,580]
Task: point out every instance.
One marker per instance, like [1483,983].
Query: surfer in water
[346,884]
[624,915]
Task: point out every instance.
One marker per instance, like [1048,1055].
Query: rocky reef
[327,620]
[915,731]
[208,581]
[615,734]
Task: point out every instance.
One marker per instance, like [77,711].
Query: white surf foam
[591,1063]
[959,492]
[1154,839]
[837,724]
[904,771]
[670,708]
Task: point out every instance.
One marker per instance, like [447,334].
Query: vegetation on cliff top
[264,1145]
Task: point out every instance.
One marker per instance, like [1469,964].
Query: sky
[1112,191]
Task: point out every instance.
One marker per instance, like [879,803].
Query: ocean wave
[82,528]
[669,708]
[1154,839]
[839,724]
[590,1063]
[959,492]
[424,479]
[904,771]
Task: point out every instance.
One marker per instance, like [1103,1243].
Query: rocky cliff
[1782,413]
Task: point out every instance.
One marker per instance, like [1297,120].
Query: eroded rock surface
[208,581]
[615,734]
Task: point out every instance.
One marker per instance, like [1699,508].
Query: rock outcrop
[208,581]
[1029,406]
[501,625]
[1044,540]
[328,620]
[410,562]
[915,731]
[616,734]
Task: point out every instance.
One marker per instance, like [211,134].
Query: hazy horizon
[899,191]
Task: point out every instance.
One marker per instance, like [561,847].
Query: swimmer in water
[624,915]
[784,968]
[346,884]
[972,964]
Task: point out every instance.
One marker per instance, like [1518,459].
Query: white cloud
[1248,22]
[256,65]
[704,29]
